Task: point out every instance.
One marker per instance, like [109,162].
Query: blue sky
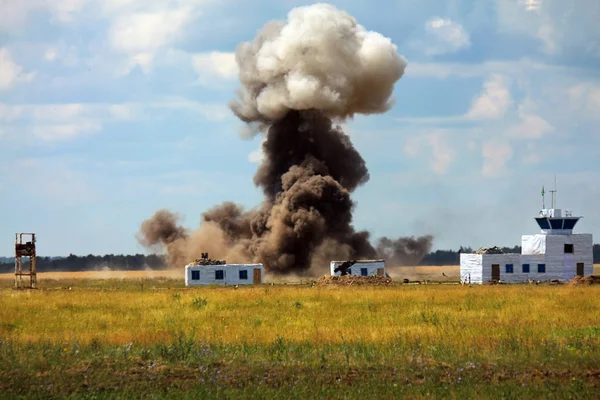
[111,110]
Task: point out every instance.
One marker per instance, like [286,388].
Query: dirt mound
[353,280]
[588,280]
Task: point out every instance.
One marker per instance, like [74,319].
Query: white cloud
[140,29]
[63,53]
[61,122]
[559,26]
[11,72]
[145,32]
[16,12]
[256,156]
[585,99]
[57,112]
[10,113]
[531,125]
[532,155]
[468,70]
[211,111]
[496,153]
[444,36]
[125,111]
[54,179]
[61,132]
[442,153]
[412,146]
[213,65]
[50,54]
[494,100]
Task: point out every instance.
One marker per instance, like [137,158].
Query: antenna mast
[543,198]
[554,194]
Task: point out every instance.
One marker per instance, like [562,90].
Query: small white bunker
[555,254]
[358,267]
[208,272]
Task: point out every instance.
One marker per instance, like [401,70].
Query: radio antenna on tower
[554,194]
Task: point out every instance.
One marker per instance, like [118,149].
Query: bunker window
[509,268]
[219,274]
[568,249]
[363,271]
[541,268]
[525,268]
[244,274]
[195,275]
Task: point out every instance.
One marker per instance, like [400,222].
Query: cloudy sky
[110,110]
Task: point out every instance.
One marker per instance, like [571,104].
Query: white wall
[471,268]
[503,259]
[371,267]
[231,274]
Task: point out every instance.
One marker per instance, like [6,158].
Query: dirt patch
[353,280]
[588,280]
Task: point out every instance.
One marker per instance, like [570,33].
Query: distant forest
[157,262]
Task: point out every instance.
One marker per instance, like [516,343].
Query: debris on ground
[588,280]
[207,261]
[354,280]
[489,250]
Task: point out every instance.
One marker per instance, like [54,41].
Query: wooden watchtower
[25,249]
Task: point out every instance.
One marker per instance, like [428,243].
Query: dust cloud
[300,79]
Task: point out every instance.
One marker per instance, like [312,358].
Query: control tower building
[556,253]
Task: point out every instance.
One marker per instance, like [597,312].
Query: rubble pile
[353,280]
[588,280]
[208,261]
[489,250]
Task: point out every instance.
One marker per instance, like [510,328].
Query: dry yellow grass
[77,275]
[449,315]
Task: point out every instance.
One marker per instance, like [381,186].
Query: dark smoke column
[297,77]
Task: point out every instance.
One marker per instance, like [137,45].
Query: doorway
[495,272]
[256,276]
[579,269]
[379,271]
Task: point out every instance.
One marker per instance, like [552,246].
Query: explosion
[298,78]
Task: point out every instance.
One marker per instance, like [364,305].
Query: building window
[195,275]
[525,268]
[541,268]
[219,274]
[349,271]
[363,272]
[243,274]
[509,268]
[568,249]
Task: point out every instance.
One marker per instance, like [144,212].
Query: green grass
[117,339]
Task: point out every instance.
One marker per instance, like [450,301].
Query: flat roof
[360,261]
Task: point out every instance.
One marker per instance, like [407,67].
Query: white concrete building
[554,254]
[224,274]
[360,268]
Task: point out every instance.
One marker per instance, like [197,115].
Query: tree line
[156,262]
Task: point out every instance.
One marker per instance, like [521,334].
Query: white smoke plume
[320,58]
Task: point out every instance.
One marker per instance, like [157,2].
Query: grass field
[114,338]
